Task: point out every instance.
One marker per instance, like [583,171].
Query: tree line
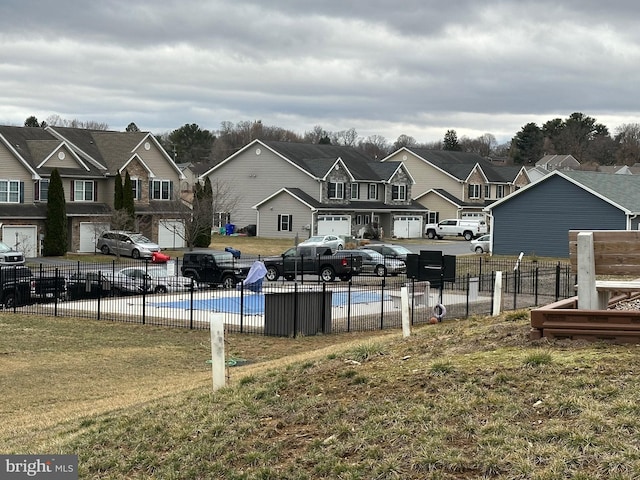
[580,135]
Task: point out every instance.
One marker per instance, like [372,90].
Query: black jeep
[213,268]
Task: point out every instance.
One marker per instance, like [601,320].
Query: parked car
[329,241]
[161,280]
[9,256]
[313,260]
[389,250]
[376,263]
[15,286]
[92,284]
[129,244]
[481,244]
[214,268]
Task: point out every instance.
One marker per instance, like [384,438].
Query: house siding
[284,204]
[12,169]
[255,177]
[426,175]
[436,203]
[537,221]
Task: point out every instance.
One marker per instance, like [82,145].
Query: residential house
[558,162]
[457,184]
[88,162]
[537,218]
[293,189]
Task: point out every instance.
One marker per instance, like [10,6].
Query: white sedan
[329,241]
[161,280]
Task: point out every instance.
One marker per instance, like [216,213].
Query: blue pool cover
[254,304]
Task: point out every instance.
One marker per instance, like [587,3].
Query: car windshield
[140,239]
[4,247]
[399,249]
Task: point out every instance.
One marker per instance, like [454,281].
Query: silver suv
[8,256]
[130,244]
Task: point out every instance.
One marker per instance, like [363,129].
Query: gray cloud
[416,67]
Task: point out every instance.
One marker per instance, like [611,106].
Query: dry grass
[461,399]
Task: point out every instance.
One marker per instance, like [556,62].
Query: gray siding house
[288,189]
[536,219]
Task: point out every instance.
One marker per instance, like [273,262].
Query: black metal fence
[306,306]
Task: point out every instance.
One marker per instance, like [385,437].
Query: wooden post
[587,294]
[218,364]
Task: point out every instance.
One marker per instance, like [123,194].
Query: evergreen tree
[117,196]
[451,141]
[127,199]
[55,239]
[203,206]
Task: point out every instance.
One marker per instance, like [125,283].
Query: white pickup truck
[469,229]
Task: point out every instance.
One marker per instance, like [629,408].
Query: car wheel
[340,246]
[479,249]
[9,301]
[135,254]
[105,249]
[160,289]
[228,282]
[381,271]
[272,274]
[468,236]
[327,274]
[431,234]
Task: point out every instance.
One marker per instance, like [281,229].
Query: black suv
[213,268]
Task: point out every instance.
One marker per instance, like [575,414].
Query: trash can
[252,230]
[288,314]
[230,228]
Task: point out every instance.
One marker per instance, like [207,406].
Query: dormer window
[336,190]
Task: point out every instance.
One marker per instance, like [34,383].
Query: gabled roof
[317,160]
[461,164]
[551,162]
[622,191]
[453,199]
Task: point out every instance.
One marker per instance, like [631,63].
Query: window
[499,191]
[161,190]
[285,223]
[358,219]
[487,191]
[336,190]
[373,191]
[474,191]
[136,186]
[10,191]
[433,217]
[83,191]
[41,192]
[398,192]
[355,191]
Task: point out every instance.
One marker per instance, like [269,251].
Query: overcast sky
[414,67]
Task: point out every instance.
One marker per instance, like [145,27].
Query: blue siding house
[537,218]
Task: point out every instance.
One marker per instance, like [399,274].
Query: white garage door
[89,233]
[23,238]
[407,227]
[334,225]
[171,234]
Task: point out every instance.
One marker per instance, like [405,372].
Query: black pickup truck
[15,286]
[311,260]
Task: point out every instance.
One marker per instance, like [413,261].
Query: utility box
[287,314]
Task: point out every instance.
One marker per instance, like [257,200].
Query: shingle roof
[317,159]
[623,190]
[461,164]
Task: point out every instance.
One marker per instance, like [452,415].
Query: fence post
[382,303]
[468,292]
[349,304]
[535,285]
[55,293]
[216,326]
[295,310]
[241,306]
[558,281]
[99,290]
[193,284]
